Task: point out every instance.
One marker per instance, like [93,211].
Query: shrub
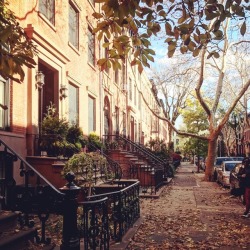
[58,136]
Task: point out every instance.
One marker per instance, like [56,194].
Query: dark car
[236,185]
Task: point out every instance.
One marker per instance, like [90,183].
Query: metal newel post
[70,238]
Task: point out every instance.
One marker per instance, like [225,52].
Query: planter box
[50,168]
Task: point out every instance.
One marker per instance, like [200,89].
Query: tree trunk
[212,145]
[170,133]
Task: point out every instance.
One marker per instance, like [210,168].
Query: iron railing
[113,165]
[36,195]
[155,173]
[123,207]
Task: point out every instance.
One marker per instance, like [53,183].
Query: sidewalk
[189,214]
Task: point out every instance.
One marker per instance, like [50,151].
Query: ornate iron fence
[104,216]
[123,207]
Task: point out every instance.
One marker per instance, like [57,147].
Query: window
[139,101]
[73,26]
[73,104]
[135,90]
[4,101]
[106,54]
[130,89]
[91,114]
[116,119]
[124,123]
[92,2]
[91,46]
[124,84]
[117,77]
[47,8]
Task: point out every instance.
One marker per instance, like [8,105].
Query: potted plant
[94,143]
[86,167]
[58,137]
[54,131]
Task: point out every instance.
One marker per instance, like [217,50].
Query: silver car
[223,173]
[217,164]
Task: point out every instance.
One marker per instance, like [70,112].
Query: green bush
[58,137]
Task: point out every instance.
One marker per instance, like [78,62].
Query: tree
[174,81]
[189,25]
[196,122]
[198,27]
[16,49]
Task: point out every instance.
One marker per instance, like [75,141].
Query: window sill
[74,48]
[92,4]
[45,19]
[92,66]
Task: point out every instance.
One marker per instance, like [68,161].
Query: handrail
[102,153]
[111,193]
[138,147]
[110,160]
[33,169]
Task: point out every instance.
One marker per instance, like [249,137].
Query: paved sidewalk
[189,214]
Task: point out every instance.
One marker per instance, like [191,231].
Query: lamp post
[39,84]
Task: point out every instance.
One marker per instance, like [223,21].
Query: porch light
[63,91]
[39,79]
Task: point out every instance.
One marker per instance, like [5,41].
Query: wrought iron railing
[160,168]
[113,165]
[33,195]
[123,207]
[36,195]
[127,144]
[94,224]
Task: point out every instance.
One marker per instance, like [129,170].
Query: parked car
[235,186]
[238,158]
[217,164]
[223,173]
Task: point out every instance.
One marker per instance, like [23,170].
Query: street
[190,214]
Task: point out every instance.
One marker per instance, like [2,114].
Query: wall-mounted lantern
[39,79]
[63,92]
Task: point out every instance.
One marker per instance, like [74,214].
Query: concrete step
[11,236]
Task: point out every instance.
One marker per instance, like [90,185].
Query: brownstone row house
[106,102]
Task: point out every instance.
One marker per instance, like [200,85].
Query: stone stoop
[11,236]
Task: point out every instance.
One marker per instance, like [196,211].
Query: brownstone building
[66,75]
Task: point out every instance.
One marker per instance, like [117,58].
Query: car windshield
[229,166]
[220,160]
[238,158]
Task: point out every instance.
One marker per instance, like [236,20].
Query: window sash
[91,115]
[47,8]
[106,54]
[4,100]
[73,26]
[130,89]
[91,47]
[73,93]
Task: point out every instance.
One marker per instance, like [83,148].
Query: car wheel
[232,190]
[215,176]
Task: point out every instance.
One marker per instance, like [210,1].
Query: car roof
[232,162]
